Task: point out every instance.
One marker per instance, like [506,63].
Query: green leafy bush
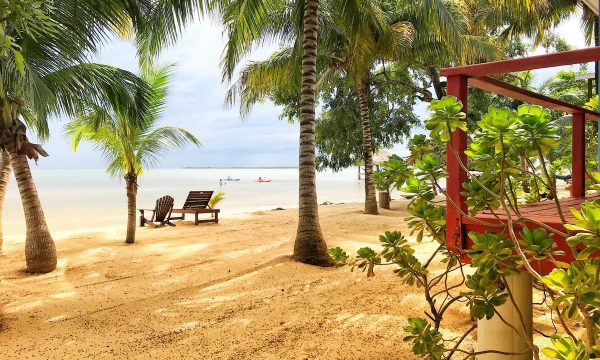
[510,164]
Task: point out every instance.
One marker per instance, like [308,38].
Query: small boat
[261,180]
[229,178]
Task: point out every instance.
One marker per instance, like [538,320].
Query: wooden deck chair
[160,214]
[197,203]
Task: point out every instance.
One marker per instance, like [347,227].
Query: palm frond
[127,145]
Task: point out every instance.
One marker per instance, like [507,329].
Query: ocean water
[90,199]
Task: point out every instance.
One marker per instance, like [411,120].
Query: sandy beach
[216,291]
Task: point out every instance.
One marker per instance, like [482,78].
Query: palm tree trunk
[370,198]
[4,177]
[310,246]
[132,187]
[436,82]
[40,251]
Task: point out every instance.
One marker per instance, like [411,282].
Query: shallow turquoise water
[89,198]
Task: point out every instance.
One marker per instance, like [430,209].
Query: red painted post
[578,156]
[455,238]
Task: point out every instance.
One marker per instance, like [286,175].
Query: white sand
[226,291]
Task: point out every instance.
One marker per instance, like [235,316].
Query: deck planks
[545,211]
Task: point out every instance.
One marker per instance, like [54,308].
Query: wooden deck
[459,79]
[544,212]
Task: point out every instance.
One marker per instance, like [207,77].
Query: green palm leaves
[130,145]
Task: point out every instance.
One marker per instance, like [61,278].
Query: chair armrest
[142,210]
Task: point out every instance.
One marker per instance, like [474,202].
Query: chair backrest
[197,199]
[163,208]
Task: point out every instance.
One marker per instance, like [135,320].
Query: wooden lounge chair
[197,203]
[161,213]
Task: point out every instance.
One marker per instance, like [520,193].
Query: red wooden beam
[455,237]
[527,63]
[502,88]
[578,156]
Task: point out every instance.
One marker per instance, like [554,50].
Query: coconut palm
[45,50]
[253,22]
[5,171]
[249,22]
[407,33]
[44,70]
[131,146]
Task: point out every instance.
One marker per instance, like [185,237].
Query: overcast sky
[196,103]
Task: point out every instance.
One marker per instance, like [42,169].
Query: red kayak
[263,180]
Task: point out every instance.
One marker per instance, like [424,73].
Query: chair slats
[197,200]
[164,205]
[161,213]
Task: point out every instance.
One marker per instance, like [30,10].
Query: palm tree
[353,54]
[131,146]
[249,22]
[43,72]
[5,171]
[310,246]
[406,33]
[45,69]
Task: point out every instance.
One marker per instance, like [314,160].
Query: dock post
[494,334]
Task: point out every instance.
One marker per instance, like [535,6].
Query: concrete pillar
[494,334]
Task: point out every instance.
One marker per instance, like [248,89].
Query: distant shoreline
[240,167]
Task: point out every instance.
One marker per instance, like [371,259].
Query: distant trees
[339,128]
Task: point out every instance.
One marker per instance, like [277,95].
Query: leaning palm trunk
[40,252]
[4,176]
[132,187]
[309,246]
[370,199]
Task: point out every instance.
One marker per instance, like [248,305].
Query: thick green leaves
[445,118]
[426,340]
[565,348]
[538,243]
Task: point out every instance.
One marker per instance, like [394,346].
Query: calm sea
[90,199]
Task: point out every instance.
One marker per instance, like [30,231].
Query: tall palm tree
[131,146]
[409,33]
[5,171]
[44,70]
[354,54]
[45,47]
[310,246]
[249,22]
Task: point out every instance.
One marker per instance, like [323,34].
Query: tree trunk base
[371,209]
[310,247]
[40,260]
[40,251]
[384,200]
